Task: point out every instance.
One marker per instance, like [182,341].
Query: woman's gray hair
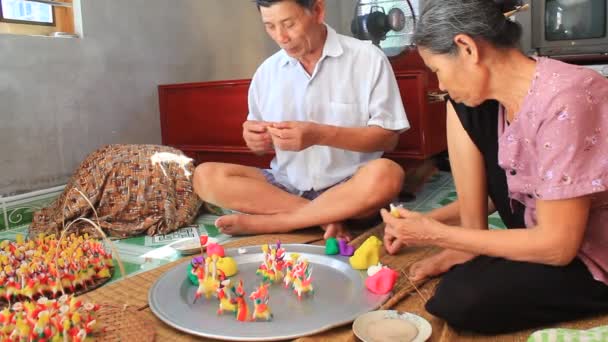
[441,20]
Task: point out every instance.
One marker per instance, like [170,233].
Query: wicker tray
[79,291]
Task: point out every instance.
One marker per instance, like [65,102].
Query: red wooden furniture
[205,119]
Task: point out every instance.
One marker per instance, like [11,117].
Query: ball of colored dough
[331,246]
[215,249]
[193,279]
[382,282]
[227,265]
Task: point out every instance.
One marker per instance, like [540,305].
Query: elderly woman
[548,123]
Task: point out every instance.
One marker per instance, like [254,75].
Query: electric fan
[389,24]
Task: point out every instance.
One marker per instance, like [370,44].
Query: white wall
[60,99]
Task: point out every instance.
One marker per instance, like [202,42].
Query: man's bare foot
[438,263]
[232,225]
[337,230]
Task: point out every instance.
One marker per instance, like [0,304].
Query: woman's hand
[410,229]
[391,244]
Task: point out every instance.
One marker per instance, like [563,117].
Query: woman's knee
[464,305]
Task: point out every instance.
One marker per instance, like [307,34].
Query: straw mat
[407,299]
[125,323]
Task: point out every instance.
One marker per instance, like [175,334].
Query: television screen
[575,19]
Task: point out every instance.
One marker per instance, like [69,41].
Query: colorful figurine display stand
[64,319]
[49,267]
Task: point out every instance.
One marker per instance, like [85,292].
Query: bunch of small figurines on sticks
[295,272]
[298,276]
[212,282]
[49,267]
[64,319]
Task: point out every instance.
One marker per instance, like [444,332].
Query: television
[570,27]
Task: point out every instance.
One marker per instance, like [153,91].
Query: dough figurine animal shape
[226,302]
[261,310]
[242,310]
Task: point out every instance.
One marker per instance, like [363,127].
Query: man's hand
[257,137]
[295,135]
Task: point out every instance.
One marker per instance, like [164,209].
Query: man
[328,106]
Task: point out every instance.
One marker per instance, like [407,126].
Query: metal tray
[339,297]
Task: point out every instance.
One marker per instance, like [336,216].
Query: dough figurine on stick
[301,278]
[272,268]
[242,310]
[226,302]
[261,310]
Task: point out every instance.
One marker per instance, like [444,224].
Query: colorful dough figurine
[65,319]
[46,266]
[208,278]
[301,278]
[273,265]
[242,310]
[289,265]
[261,310]
[226,302]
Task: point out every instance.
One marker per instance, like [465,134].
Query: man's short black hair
[267,3]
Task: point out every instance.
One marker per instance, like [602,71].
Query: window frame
[28,22]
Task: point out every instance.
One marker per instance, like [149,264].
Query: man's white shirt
[353,85]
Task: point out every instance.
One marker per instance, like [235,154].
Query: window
[26,12]
[36,17]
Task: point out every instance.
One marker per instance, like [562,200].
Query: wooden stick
[517,9]
[397,297]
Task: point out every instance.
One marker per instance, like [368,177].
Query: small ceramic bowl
[391,325]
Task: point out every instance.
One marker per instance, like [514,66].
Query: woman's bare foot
[337,230]
[438,263]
